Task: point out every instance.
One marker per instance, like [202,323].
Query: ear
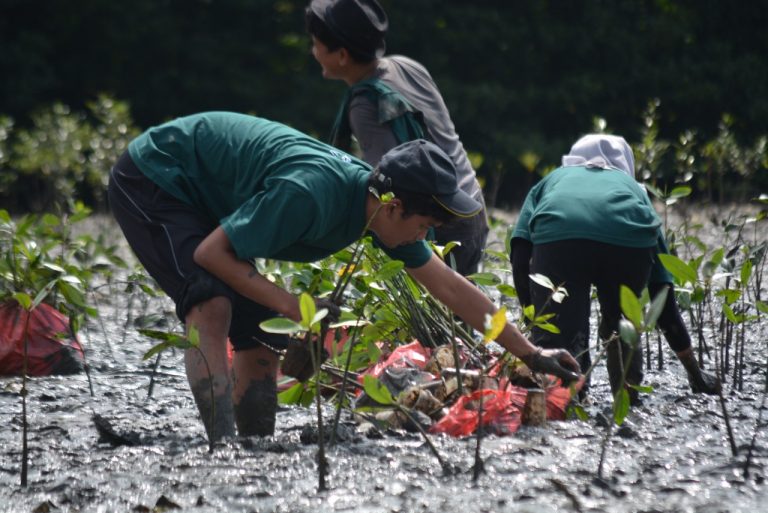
[395,203]
[344,57]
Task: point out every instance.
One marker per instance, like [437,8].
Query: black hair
[414,203]
[317,28]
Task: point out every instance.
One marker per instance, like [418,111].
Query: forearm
[468,302]
[216,255]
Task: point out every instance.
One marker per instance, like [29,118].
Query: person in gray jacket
[391,100]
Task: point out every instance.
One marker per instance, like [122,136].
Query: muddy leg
[255,391]
[211,319]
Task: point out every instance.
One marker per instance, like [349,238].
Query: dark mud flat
[673,454]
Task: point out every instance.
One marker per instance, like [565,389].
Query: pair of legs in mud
[163,233]
[579,264]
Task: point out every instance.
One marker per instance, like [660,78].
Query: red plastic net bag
[52,348]
[502,410]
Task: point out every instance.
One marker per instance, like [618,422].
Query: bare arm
[216,255]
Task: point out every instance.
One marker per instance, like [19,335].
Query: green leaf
[40,297]
[389,270]
[628,332]
[542,280]
[529,312]
[730,296]
[175,338]
[762,307]
[448,247]
[507,290]
[579,411]
[746,272]
[487,279]
[158,348]
[548,327]
[292,395]
[680,192]
[646,389]
[630,306]
[730,315]
[377,391]
[23,299]
[193,337]
[504,257]
[308,309]
[620,406]
[281,325]
[654,311]
[679,269]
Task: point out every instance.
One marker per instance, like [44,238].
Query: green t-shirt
[575,202]
[276,192]
[605,205]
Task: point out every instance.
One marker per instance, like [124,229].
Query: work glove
[297,361]
[334,311]
[557,362]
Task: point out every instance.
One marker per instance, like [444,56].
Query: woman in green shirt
[590,223]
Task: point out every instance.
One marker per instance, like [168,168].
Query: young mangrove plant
[190,342]
[685,274]
[310,324]
[634,322]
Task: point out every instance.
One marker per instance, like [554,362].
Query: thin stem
[24,424]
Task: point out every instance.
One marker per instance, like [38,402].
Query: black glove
[557,362]
[334,311]
[297,361]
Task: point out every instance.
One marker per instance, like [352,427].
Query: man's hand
[297,361]
[334,311]
[557,362]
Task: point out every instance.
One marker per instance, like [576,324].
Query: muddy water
[672,455]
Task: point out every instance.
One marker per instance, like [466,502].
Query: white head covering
[602,151]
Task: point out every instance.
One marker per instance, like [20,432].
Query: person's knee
[202,289]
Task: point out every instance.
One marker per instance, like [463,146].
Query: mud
[123,451]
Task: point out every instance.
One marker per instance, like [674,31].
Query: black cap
[422,167]
[359,24]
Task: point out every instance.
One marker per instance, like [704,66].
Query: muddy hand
[557,362]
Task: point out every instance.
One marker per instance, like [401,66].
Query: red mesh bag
[52,348]
[502,411]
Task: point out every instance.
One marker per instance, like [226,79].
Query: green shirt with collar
[276,192]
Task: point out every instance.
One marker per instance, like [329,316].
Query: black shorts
[164,232]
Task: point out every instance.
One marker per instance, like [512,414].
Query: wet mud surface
[122,451]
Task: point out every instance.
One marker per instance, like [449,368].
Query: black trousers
[577,265]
